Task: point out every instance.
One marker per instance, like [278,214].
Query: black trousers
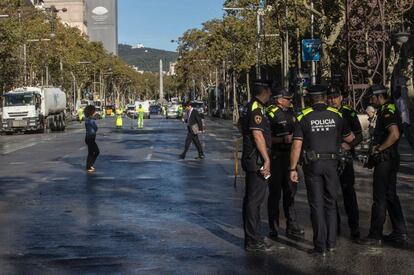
[93,151]
[278,182]
[408,133]
[386,199]
[347,180]
[322,183]
[254,197]
[192,138]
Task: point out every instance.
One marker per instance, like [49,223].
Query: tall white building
[75,15]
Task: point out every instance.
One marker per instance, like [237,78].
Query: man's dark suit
[193,119]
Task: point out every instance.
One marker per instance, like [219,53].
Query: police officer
[386,162]
[256,163]
[282,121]
[347,173]
[319,132]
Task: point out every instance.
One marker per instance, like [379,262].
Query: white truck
[34,109]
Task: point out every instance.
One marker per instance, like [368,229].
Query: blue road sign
[311,49]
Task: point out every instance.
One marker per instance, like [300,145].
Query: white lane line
[146,178]
[120,160]
[19,148]
[16,163]
[148,157]
[82,148]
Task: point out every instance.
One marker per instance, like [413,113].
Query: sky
[155,23]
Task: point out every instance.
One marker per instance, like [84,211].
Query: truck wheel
[53,125]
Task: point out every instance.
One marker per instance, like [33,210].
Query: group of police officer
[319,141]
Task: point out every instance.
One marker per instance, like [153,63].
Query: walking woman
[91,129]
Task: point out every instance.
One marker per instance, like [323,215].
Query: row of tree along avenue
[37,49]
[265,39]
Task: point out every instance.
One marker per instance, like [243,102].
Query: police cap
[280,92]
[262,83]
[334,91]
[377,89]
[317,90]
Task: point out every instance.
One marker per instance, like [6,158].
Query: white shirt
[403,108]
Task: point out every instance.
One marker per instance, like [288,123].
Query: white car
[172,111]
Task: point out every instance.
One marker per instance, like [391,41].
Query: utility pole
[286,54]
[259,32]
[161,82]
[312,37]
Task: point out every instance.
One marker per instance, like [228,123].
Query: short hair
[259,90]
[89,110]
[318,98]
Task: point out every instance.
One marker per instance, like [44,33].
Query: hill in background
[146,59]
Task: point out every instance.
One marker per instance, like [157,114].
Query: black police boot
[257,247]
[294,230]
[317,252]
[395,238]
[200,157]
[370,240]
[182,156]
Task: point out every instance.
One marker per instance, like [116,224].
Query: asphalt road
[146,212]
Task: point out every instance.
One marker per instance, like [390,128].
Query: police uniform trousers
[255,194]
[322,183]
[347,179]
[280,181]
[386,199]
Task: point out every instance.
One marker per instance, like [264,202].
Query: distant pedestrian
[402,107]
[372,119]
[140,114]
[91,129]
[194,127]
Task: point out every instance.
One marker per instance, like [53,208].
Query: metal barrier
[237,149]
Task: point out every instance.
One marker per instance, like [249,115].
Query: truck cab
[22,109]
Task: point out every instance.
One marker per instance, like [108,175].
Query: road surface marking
[17,148]
[16,163]
[120,160]
[148,157]
[105,178]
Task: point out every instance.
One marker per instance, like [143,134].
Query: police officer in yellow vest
[81,114]
[118,118]
[282,122]
[257,142]
[386,162]
[140,115]
[347,173]
[318,135]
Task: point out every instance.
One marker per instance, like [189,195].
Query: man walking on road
[194,127]
[257,142]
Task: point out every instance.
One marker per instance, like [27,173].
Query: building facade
[75,16]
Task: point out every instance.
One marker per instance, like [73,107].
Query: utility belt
[252,160]
[312,156]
